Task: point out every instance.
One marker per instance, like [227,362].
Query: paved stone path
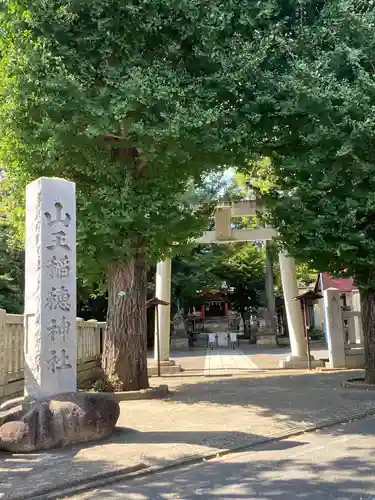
[228,361]
[337,463]
[213,362]
[203,415]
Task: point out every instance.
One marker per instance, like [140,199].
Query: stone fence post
[358,332]
[335,328]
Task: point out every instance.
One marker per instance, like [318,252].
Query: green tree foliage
[319,185]
[242,270]
[11,272]
[191,274]
[236,268]
[320,182]
[260,180]
[132,101]
[306,276]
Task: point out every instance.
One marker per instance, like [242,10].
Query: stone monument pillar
[50,345]
[163,292]
[298,358]
[266,334]
[335,328]
[53,412]
[179,338]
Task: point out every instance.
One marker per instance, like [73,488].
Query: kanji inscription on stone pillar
[50,288]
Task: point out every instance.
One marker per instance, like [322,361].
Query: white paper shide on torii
[50,288]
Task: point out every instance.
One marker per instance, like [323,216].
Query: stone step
[164,369]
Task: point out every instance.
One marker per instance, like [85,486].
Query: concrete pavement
[247,357]
[227,361]
[338,463]
[203,417]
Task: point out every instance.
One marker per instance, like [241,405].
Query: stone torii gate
[225,234]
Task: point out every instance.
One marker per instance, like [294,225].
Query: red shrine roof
[341,284]
[213,292]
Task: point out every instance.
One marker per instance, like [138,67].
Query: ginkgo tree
[319,176]
[132,101]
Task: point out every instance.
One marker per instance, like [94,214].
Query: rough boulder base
[58,421]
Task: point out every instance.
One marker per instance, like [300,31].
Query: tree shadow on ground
[278,475]
[295,397]
[350,475]
[256,483]
[23,475]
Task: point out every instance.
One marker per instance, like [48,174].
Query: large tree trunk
[124,358]
[368,326]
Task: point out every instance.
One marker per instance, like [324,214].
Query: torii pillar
[298,344]
[163,287]
[163,317]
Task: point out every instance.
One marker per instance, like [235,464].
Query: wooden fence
[89,346]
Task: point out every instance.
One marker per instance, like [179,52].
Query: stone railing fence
[89,347]
[344,331]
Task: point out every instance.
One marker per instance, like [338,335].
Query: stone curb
[158,392]
[154,364]
[355,383]
[141,470]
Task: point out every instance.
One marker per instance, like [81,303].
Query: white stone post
[2,351]
[298,358]
[50,345]
[319,313]
[163,292]
[270,293]
[335,330]
[292,307]
[356,304]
